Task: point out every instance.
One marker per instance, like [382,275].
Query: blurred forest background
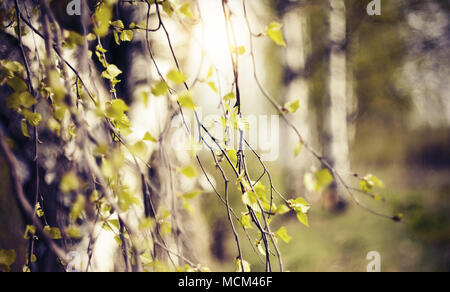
[374,97]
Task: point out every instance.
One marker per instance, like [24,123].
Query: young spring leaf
[176,77]
[53,232]
[160,88]
[298,149]
[192,195]
[229,96]
[126,35]
[111,72]
[292,107]
[239,265]
[189,171]
[149,137]
[77,208]
[69,182]
[185,9]
[282,233]
[273,30]
[38,210]
[30,231]
[168,7]
[34,119]
[303,218]
[213,87]
[245,221]
[316,182]
[24,127]
[185,99]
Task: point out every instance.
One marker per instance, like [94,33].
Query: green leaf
[189,171]
[126,35]
[160,88]
[24,127]
[232,154]
[53,232]
[77,208]
[229,96]
[17,84]
[185,9]
[299,205]
[116,109]
[69,182]
[30,231]
[210,72]
[324,178]
[292,107]
[27,100]
[168,7]
[213,87]
[282,233]
[239,265]
[74,232]
[116,38]
[112,71]
[274,33]
[251,199]
[303,218]
[139,149]
[7,259]
[298,149]
[127,199]
[166,228]
[192,195]
[318,181]
[185,99]
[148,137]
[260,191]
[73,40]
[102,16]
[12,66]
[245,221]
[38,210]
[176,77]
[118,24]
[283,209]
[369,182]
[34,119]
[241,50]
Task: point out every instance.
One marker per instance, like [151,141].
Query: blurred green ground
[415,186]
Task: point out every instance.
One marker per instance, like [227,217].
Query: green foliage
[245,264]
[53,232]
[298,149]
[185,99]
[189,171]
[273,30]
[176,77]
[30,231]
[291,107]
[185,9]
[369,182]
[283,234]
[69,182]
[245,221]
[160,88]
[317,181]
